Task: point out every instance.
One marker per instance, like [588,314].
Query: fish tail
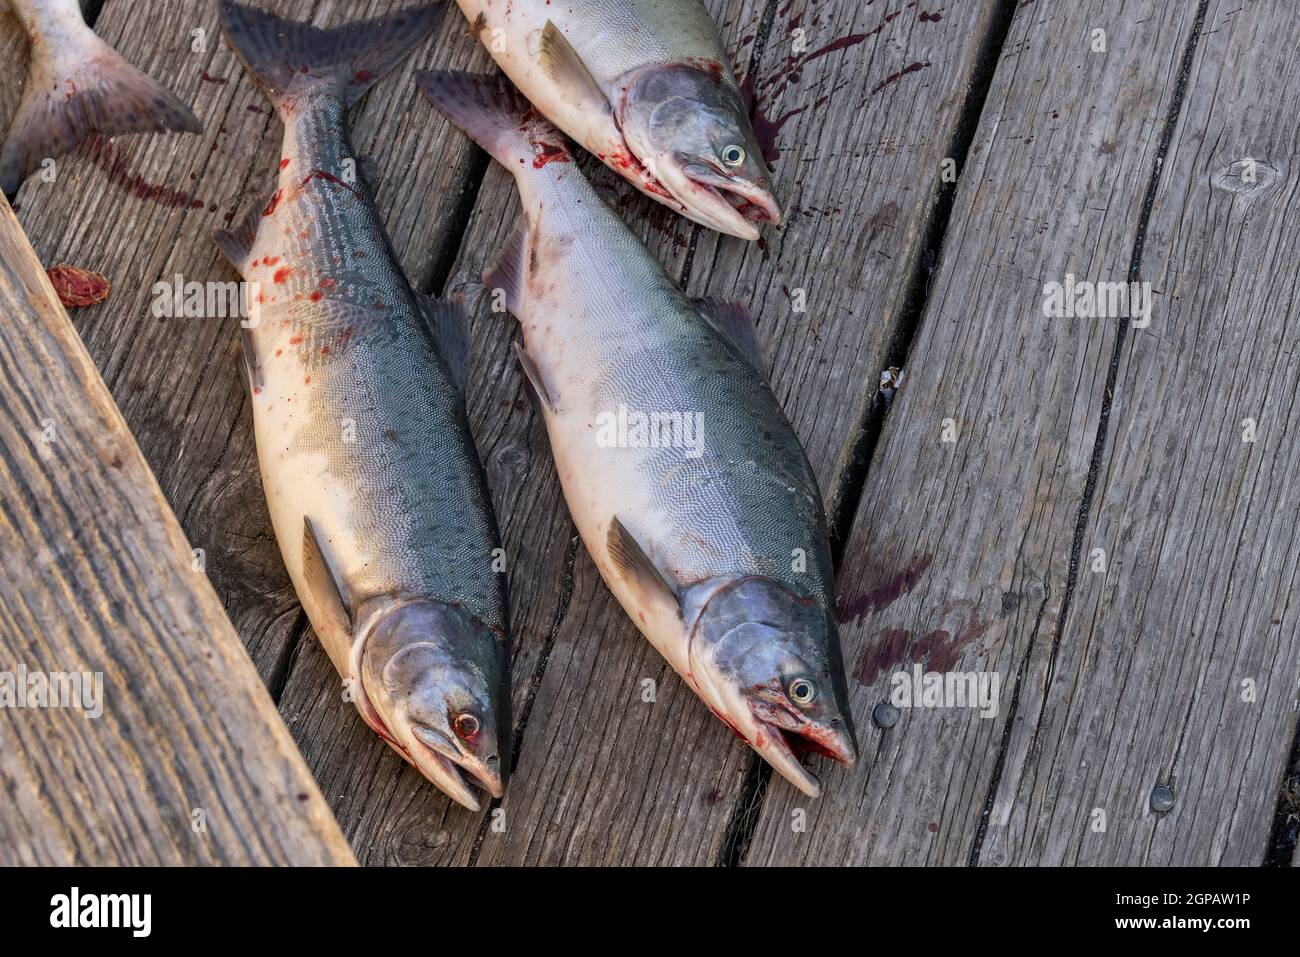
[497,117]
[283,55]
[74,93]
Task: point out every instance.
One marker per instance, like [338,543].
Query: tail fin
[69,97]
[281,54]
[496,117]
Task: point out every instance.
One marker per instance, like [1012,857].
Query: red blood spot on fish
[284,163]
[257,390]
[324,350]
[329,178]
[930,17]
[315,297]
[361,77]
[307,381]
[278,353]
[544,153]
[296,340]
[270,260]
[254,108]
[327,283]
[274,203]
[282,273]
[219,80]
[78,287]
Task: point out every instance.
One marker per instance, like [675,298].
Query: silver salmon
[375,488]
[647,87]
[78,85]
[683,475]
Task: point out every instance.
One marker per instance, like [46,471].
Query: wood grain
[96,577]
[1179,663]
[960,553]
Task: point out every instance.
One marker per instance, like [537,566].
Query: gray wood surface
[1180,664]
[175,754]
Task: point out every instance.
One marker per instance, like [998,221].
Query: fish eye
[467,725]
[733,155]
[803,691]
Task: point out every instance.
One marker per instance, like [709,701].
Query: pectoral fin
[733,322]
[634,566]
[324,580]
[563,65]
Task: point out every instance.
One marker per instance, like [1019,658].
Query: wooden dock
[1100,511]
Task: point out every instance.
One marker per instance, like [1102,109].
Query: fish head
[690,129]
[767,661]
[434,675]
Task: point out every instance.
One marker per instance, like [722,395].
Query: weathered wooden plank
[604,777]
[96,577]
[960,552]
[1179,664]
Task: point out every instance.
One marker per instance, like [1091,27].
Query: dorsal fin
[634,565]
[732,321]
[324,580]
[449,324]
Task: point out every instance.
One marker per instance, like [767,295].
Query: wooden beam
[187,761]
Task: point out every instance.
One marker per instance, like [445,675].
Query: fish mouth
[779,734]
[450,770]
[733,206]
